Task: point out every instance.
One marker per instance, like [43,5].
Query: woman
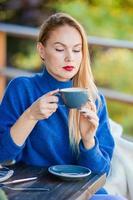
[34,128]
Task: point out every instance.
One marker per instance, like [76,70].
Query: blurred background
[111,65]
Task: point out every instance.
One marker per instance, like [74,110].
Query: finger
[93,106]
[89,116]
[53,92]
[87,110]
[46,113]
[86,106]
[89,113]
[89,106]
[52,106]
[83,110]
[52,99]
[94,122]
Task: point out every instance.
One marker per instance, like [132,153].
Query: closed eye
[59,50]
[76,51]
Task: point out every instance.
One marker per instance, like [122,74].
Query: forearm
[22,128]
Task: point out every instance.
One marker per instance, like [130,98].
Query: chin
[70,76]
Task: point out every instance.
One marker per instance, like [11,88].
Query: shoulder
[21,83]
[18,92]
[20,88]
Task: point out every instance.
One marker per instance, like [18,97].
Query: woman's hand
[89,122]
[44,107]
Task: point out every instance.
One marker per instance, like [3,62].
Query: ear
[41,50]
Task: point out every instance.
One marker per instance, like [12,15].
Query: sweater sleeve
[98,157]
[11,107]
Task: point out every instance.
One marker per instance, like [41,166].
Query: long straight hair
[83,78]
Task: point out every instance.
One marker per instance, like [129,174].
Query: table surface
[58,189]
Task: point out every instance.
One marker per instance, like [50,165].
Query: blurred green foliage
[113,69]
[122,114]
[110,18]
[23,54]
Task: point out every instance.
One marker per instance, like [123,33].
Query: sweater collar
[54,83]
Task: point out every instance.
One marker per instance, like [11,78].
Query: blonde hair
[83,78]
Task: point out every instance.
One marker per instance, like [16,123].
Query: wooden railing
[27,32]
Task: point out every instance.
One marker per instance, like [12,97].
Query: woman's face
[62,52]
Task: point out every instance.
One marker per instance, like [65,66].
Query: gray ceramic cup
[74,97]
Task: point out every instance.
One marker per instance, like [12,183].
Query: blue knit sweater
[48,143]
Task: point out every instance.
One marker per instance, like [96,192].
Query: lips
[68,68]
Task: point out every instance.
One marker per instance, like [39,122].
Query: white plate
[5,173]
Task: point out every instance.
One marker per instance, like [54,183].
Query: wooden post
[2,62]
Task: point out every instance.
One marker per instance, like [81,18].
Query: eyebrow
[65,45]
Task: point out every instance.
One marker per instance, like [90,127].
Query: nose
[69,56]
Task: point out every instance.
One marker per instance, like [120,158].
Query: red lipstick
[68,68]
